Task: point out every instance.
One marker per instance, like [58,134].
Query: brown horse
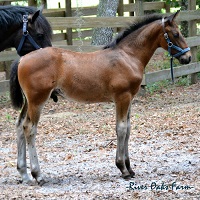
[113,74]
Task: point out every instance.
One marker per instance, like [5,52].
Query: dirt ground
[76,145]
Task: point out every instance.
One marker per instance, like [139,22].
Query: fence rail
[61,23]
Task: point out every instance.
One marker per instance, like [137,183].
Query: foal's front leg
[127,160]
[123,131]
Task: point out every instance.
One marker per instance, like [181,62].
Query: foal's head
[173,40]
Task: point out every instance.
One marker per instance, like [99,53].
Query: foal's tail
[16,95]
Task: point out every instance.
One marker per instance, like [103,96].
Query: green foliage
[183,81]
[157,86]
[161,85]
[8,117]
[20,3]
[173,3]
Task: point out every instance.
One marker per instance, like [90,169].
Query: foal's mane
[12,15]
[138,24]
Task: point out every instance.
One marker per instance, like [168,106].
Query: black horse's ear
[41,8]
[172,17]
[34,16]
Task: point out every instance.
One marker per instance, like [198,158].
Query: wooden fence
[62,23]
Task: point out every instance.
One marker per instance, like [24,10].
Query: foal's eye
[176,35]
[40,36]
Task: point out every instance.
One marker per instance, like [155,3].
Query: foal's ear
[34,16]
[172,17]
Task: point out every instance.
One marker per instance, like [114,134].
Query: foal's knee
[121,128]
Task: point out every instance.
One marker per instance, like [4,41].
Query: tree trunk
[184,24]
[44,2]
[32,3]
[4,3]
[106,8]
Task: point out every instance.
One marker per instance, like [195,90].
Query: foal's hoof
[132,174]
[29,183]
[126,176]
[41,182]
[54,97]
[129,175]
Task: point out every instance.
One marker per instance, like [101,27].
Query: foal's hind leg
[30,130]
[21,147]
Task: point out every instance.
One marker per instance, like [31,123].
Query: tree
[106,8]
[184,24]
[32,3]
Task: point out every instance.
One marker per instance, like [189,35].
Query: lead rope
[172,69]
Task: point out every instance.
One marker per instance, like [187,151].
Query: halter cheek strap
[172,46]
[26,35]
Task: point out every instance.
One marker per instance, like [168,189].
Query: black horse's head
[11,24]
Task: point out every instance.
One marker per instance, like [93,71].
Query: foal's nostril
[190,58]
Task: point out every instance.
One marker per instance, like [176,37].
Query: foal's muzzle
[185,59]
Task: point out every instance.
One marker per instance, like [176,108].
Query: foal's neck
[142,43]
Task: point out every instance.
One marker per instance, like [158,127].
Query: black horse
[26,29]
[24,26]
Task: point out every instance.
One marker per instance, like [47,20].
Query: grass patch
[160,86]
[157,86]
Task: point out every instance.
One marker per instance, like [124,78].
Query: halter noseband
[26,35]
[172,46]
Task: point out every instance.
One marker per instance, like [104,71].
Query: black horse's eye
[176,35]
[40,36]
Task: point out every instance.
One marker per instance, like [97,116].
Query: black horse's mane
[12,15]
[138,24]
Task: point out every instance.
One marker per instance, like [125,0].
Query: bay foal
[113,74]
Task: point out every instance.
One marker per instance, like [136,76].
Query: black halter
[172,46]
[26,35]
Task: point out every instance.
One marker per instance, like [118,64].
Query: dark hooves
[42,182]
[54,97]
[128,176]
[132,174]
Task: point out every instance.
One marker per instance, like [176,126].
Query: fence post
[120,8]
[68,13]
[167,7]
[131,13]
[193,32]
[139,8]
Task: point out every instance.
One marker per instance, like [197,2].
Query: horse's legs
[127,160]
[30,130]
[21,147]
[122,109]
